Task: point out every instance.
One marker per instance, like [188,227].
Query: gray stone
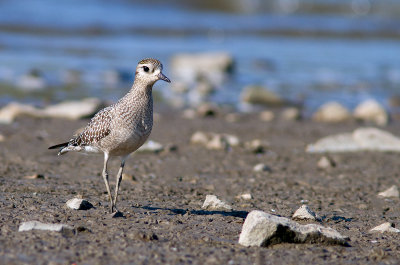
[35,225]
[263,229]
[392,192]
[362,139]
[325,163]
[305,213]
[79,204]
[371,110]
[291,114]
[73,110]
[267,115]
[332,112]
[2,138]
[385,227]
[213,203]
[151,147]
[212,67]
[215,141]
[261,167]
[261,96]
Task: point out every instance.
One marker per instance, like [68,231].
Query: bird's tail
[61,146]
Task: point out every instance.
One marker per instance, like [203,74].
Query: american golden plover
[123,127]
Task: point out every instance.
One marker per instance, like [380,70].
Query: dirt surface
[164,222]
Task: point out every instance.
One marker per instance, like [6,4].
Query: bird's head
[150,71]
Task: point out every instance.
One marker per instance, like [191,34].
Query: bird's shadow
[241,214]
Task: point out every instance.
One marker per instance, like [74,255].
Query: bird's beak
[161,76]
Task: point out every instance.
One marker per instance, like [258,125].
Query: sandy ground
[164,222]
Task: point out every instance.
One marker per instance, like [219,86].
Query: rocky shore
[186,195]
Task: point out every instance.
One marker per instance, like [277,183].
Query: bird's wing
[97,129]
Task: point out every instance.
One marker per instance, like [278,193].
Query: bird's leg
[105,177]
[118,183]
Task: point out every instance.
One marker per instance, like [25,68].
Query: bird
[121,128]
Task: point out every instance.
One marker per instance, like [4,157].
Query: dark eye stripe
[145,68]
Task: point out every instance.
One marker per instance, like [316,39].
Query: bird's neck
[139,90]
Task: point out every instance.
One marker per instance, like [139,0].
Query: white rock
[392,192]
[79,204]
[371,110]
[263,229]
[246,196]
[261,167]
[325,163]
[260,96]
[211,66]
[291,114]
[213,203]
[73,110]
[257,146]
[35,225]
[267,115]
[304,213]
[200,138]
[31,83]
[151,146]
[11,111]
[385,227]
[332,112]
[362,139]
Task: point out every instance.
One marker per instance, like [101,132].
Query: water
[309,51]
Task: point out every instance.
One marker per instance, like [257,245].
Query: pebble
[245,196]
[305,213]
[213,203]
[361,139]
[267,115]
[261,168]
[67,110]
[263,229]
[385,227]
[35,225]
[257,146]
[207,110]
[291,114]
[332,112]
[215,141]
[151,147]
[31,82]
[199,138]
[325,163]
[371,110]
[260,96]
[189,114]
[2,138]
[79,204]
[392,192]
[34,176]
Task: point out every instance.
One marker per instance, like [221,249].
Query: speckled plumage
[120,129]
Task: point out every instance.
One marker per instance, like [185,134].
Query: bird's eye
[145,68]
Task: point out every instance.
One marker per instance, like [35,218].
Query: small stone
[263,229]
[362,139]
[151,147]
[79,204]
[117,214]
[325,163]
[13,110]
[260,96]
[371,110]
[200,138]
[35,225]
[304,213]
[213,203]
[267,115]
[257,146]
[261,168]
[128,177]
[392,192]
[245,196]
[385,227]
[143,236]
[2,138]
[207,110]
[332,112]
[291,114]
[34,176]
[73,110]
[31,82]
